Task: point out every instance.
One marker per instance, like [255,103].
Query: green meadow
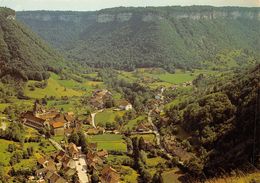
[108,115]
[133,123]
[147,137]
[111,142]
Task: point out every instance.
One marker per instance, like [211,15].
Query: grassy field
[147,137]
[58,138]
[4,155]
[58,88]
[49,148]
[181,76]
[132,123]
[152,162]
[172,176]
[161,77]
[107,115]
[116,159]
[3,106]
[177,78]
[26,164]
[109,142]
[131,176]
[30,132]
[54,88]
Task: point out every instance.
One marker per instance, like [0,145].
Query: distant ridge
[169,37]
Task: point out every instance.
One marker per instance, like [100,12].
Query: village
[69,159]
[70,162]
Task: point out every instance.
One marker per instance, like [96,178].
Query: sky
[90,5]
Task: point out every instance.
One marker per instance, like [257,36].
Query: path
[3,123]
[3,126]
[93,118]
[56,145]
[81,167]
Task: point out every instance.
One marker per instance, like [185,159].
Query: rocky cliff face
[47,16]
[145,15]
[149,17]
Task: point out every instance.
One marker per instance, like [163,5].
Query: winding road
[156,131]
[158,136]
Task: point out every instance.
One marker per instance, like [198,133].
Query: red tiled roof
[57,124]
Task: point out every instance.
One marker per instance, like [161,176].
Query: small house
[73,151]
[109,175]
[124,105]
[102,154]
[57,128]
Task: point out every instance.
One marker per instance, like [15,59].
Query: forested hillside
[169,37]
[22,54]
[223,124]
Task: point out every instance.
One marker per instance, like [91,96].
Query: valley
[149,95]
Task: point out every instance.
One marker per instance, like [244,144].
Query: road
[156,131]
[81,167]
[158,136]
[93,118]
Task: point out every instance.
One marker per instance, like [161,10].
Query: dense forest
[223,123]
[23,55]
[167,37]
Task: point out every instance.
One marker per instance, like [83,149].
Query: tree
[147,177]
[94,178]
[194,166]
[119,120]
[83,142]
[74,138]
[157,178]
[142,145]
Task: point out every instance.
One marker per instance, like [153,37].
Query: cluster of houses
[96,164]
[99,98]
[62,161]
[57,122]
[61,167]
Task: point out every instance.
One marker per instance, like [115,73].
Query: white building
[125,105]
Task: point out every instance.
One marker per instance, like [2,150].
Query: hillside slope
[22,54]
[125,38]
[223,124]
